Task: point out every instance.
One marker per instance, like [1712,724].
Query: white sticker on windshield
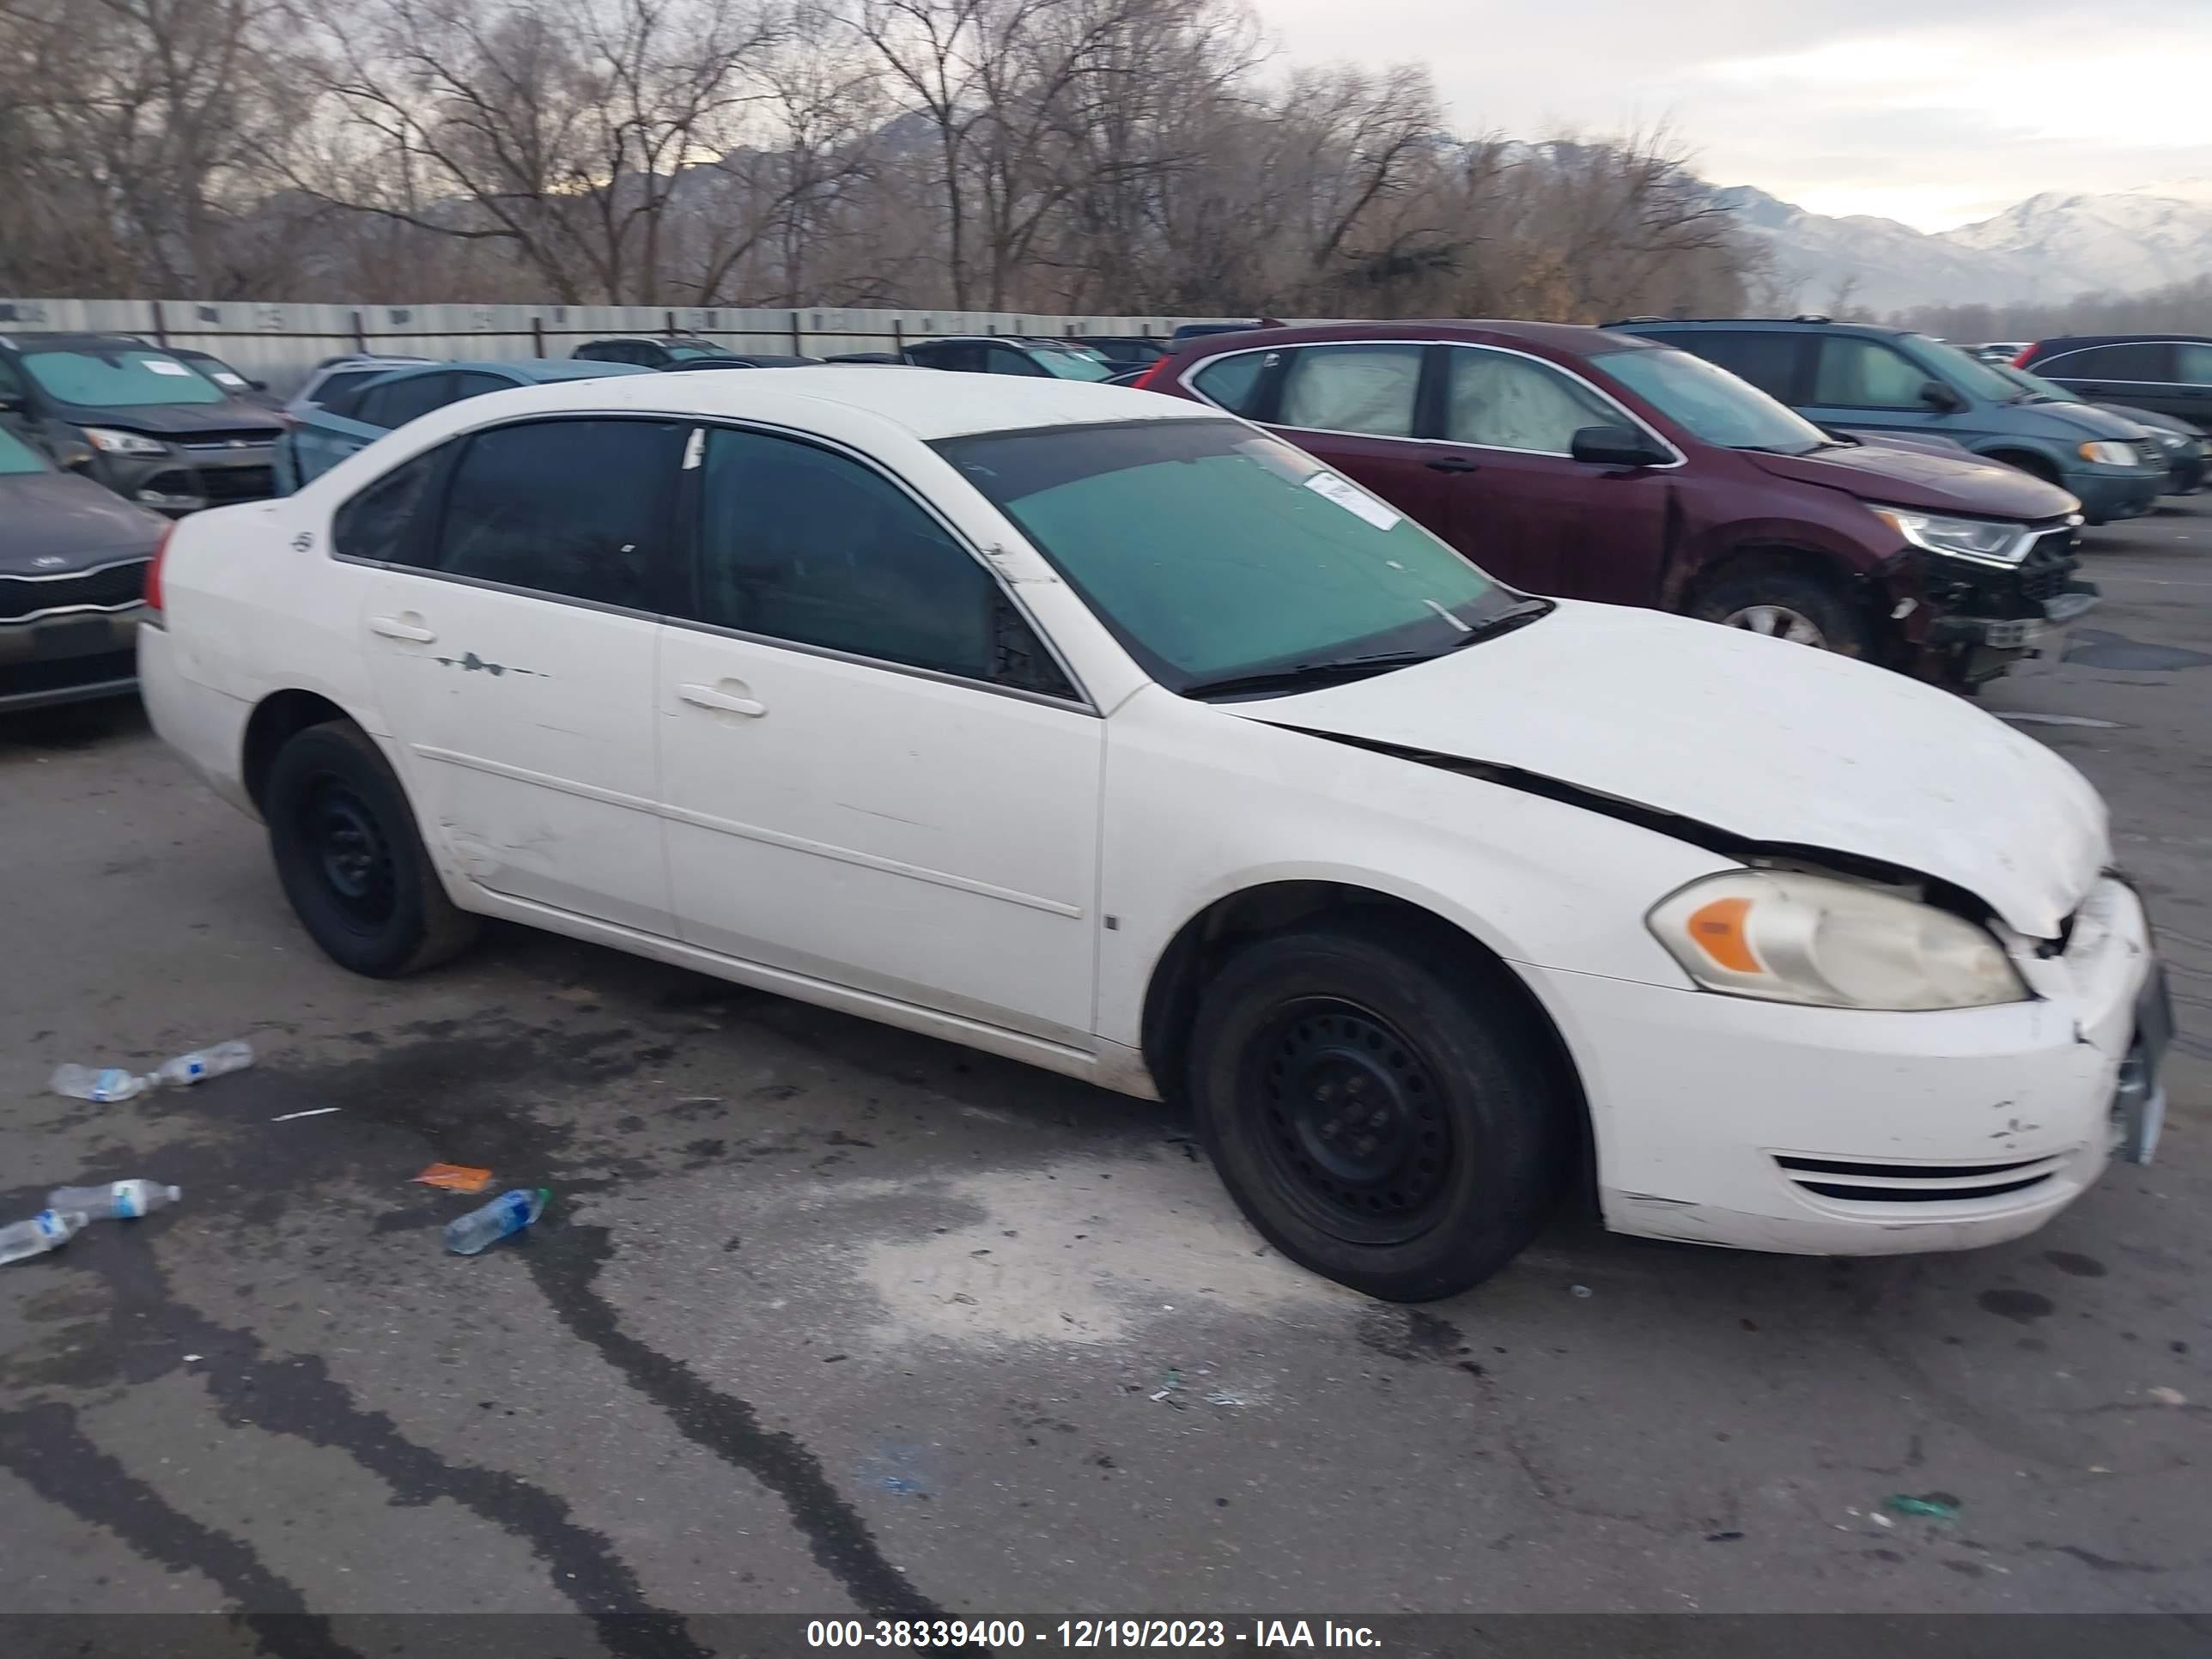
[159,367]
[1356,502]
[223,379]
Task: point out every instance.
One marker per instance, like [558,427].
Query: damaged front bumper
[1762,1126]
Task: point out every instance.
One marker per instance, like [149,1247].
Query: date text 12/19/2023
[1079,1633]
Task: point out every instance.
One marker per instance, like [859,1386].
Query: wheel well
[276,720]
[2027,460]
[1171,999]
[1764,556]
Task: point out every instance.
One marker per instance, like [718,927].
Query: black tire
[351,859]
[1776,598]
[1478,1145]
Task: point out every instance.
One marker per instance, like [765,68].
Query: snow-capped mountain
[2051,246]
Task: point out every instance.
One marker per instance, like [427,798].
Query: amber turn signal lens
[1718,929]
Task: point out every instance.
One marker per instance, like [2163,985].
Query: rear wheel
[1788,603]
[1384,1118]
[351,861]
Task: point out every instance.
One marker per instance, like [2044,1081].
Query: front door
[874,774]
[1863,384]
[512,641]
[1524,510]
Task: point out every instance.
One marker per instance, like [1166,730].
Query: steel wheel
[1777,622]
[350,852]
[1351,1120]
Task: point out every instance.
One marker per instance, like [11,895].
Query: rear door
[2192,390]
[1356,405]
[511,628]
[1525,509]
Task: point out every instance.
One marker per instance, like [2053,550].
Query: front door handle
[398,627]
[1453,463]
[708,697]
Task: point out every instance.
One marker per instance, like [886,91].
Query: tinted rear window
[2135,360]
[1768,358]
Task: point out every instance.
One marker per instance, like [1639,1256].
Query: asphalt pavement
[825,1317]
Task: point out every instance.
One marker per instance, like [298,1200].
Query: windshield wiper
[1332,671]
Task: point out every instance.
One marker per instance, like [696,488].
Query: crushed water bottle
[510,1213]
[44,1231]
[201,1063]
[103,1084]
[117,1201]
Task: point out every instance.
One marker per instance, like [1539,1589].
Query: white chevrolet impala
[1114,735]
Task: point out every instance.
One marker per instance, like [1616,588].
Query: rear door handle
[395,628]
[1454,464]
[708,697]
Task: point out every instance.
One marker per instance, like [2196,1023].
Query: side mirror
[257,386]
[1940,399]
[1615,446]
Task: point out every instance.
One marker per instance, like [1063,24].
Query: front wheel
[351,861]
[1787,603]
[1383,1116]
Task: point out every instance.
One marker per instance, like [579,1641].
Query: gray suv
[1889,380]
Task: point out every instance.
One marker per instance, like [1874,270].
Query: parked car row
[1112,732]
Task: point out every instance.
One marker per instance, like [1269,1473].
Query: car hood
[1764,741]
[2086,420]
[1931,478]
[183,419]
[56,515]
[2152,421]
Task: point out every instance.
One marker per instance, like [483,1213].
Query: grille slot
[111,588]
[238,440]
[1857,1181]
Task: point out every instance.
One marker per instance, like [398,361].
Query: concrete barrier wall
[280,343]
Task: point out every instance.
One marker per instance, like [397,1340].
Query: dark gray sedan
[73,560]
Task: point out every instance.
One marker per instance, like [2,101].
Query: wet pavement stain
[2019,1306]
[2093,648]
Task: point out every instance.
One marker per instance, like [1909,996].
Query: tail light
[1145,380]
[2027,352]
[154,573]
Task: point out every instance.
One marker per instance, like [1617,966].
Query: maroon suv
[1597,466]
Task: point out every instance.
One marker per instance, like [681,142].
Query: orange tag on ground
[455,1178]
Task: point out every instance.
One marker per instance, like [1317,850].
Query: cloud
[1934,114]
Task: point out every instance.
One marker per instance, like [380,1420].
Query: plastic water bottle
[117,1201]
[105,1082]
[44,1231]
[232,1056]
[510,1213]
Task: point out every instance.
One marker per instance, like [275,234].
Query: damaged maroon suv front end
[1597,466]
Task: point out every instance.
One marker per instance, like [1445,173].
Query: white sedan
[1114,735]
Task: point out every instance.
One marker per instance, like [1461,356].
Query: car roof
[77,340]
[530,370]
[1629,324]
[2123,339]
[926,406]
[1568,339]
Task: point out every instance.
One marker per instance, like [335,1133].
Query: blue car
[354,413]
[1893,382]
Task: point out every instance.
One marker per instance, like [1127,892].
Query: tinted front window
[340,393]
[1233,383]
[16,455]
[1767,358]
[1005,360]
[574,507]
[1213,550]
[380,522]
[2139,359]
[1861,373]
[801,543]
[1709,402]
[473,383]
[1352,388]
[120,379]
[1505,402]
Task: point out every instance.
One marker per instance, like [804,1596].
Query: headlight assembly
[121,443]
[1780,936]
[1986,541]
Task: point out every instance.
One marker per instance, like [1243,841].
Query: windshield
[1070,365]
[1709,402]
[1215,553]
[16,455]
[130,377]
[686,353]
[218,371]
[2037,386]
[1967,372]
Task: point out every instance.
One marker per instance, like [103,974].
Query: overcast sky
[1937,112]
